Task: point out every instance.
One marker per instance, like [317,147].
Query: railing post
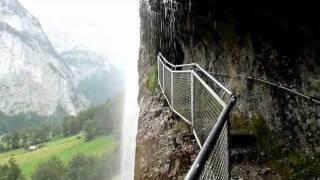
[158,63]
[192,94]
[164,87]
[172,88]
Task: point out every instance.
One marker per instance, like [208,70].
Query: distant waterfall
[131,109]
[129,126]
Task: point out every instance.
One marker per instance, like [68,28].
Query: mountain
[95,77]
[33,77]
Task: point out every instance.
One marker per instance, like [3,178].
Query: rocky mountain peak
[30,67]
[16,18]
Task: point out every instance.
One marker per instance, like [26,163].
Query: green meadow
[63,148]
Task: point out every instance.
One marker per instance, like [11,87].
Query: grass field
[63,148]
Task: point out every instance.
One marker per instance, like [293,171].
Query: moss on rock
[296,166]
[256,125]
[152,78]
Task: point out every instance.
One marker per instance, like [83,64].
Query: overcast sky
[109,27]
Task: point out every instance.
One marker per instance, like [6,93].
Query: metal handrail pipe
[213,79]
[177,71]
[173,65]
[205,85]
[278,85]
[201,69]
[210,143]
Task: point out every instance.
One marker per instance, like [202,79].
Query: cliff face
[95,77]
[33,77]
[249,38]
[165,146]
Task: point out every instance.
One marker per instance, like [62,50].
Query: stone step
[242,139]
[243,146]
[241,155]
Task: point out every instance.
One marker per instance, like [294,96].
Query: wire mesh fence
[204,103]
[217,166]
[182,94]
[206,109]
[160,72]
[167,83]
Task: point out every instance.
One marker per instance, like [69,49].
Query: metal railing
[270,83]
[205,104]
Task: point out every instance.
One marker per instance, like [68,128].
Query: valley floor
[63,148]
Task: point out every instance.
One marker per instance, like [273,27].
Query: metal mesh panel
[206,110]
[182,94]
[160,72]
[215,87]
[167,83]
[217,166]
[218,90]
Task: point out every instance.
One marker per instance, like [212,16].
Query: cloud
[110,27]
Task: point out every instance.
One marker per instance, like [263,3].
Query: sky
[109,27]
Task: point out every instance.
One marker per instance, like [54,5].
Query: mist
[108,27]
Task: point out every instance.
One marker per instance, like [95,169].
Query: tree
[56,131]
[53,169]
[90,130]
[14,170]
[15,141]
[70,126]
[25,138]
[83,167]
[86,115]
[7,140]
[10,171]
[75,126]
[2,148]
[4,171]
[43,133]
[66,123]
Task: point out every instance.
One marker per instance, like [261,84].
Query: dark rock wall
[274,41]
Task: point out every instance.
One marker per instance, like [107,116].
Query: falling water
[129,126]
[131,109]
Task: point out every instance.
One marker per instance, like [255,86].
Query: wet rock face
[166,146]
[248,38]
[253,172]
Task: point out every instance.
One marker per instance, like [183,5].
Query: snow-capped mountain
[95,77]
[33,77]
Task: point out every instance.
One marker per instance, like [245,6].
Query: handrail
[200,69]
[173,65]
[204,154]
[213,79]
[205,109]
[275,84]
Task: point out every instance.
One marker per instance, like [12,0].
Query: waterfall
[129,125]
[131,108]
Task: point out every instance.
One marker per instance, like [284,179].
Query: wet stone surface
[166,146]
